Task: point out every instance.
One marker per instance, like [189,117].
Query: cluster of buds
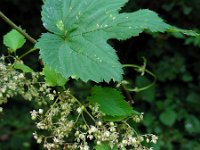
[67,133]
[14,82]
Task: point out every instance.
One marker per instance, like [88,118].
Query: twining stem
[28,52]
[140,69]
[13,25]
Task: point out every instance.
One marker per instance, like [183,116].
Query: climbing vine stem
[20,30]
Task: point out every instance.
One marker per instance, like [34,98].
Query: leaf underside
[76,44]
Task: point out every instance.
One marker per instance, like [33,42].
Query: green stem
[85,110]
[84,120]
[28,52]
[13,25]
[52,106]
[77,118]
[130,127]
[138,68]
[89,115]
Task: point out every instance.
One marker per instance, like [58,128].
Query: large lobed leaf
[77,45]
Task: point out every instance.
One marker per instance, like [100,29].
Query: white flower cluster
[57,121]
[15,83]
[67,128]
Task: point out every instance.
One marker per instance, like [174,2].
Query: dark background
[171,107]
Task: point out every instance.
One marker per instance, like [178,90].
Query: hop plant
[76,48]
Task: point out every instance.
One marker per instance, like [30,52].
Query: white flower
[112,129]
[90,137]
[107,134]
[112,124]
[34,114]
[98,142]
[92,129]
[40,111]
[39,140]
[147,140]
[133,140]
[79,110]
[51,96]
[82,136]
[56,140]
[1,109]
[124,142]
[41,125]
[21,76]
[99,123]
[154,139]
[84,147]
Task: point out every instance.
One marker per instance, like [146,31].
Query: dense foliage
[171,106]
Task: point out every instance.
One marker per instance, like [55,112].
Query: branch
[128,95]
[13,25]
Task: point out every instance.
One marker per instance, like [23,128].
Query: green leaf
[117,118]
[77,45]
[53,78]
[193,40]
[110,101]
[183,31]
[23,68]
[187,77]
[192,124]
[114,118]
[105,146]
[193,98]
[149,119]
[13,40]
[168,117]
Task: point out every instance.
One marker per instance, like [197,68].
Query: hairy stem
[13,25]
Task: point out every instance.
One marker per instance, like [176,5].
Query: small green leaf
[53,78]
[105,146]
[110,101]
[168,117]
[23,68]
[187,77]
[192,124]
[13,40]
[193,98]
[148,119]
